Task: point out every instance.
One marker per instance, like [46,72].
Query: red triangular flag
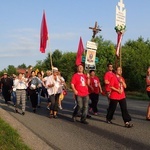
[80,52]
[44,34]
[119,39]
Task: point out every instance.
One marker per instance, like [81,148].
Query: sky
[67,21]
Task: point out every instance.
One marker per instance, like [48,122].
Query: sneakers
[74,119]
[60,107]
[34,110]
[16,111]
[95,114]
[55,116]
[84,122]
[109,121]
[128,125]
[88,116]
[48,107]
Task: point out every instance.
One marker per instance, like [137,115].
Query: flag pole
[50,55]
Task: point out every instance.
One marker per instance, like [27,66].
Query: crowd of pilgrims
[20,87]
[86,89]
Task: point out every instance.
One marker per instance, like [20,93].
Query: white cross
[121,5]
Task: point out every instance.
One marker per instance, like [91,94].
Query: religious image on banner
[90,57]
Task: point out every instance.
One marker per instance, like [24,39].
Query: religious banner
[120,24]
[90,57]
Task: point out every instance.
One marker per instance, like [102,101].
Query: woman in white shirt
[54,89]
[20,85]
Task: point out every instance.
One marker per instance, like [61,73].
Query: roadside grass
[9,138]
[137,96]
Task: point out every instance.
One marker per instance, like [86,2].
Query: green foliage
[105,53]
[22,66]
[135,61]
[10,70]
[9,138]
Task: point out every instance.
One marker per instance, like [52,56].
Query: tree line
[135,61]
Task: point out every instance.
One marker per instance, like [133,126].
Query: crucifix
[95,29]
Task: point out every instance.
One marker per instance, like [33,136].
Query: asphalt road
[63,134]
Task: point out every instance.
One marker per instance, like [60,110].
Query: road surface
[63,134]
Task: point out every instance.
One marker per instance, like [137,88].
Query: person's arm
[115,89]
[100,87]
[74,89]
[122,81]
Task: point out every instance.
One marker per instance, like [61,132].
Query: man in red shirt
[79,84]
[107,78]
[94,90]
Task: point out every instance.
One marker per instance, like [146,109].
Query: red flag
[80,52]
[44,34]
[119,39]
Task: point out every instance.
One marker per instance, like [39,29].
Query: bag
[64,92]
[148,88]
[61,96]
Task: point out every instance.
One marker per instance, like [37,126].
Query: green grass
[10,139]
[137,96]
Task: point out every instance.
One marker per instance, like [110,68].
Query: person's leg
[56,105]
[52,99]
[14,97]
[61,97]
[39,97]
[23,98]
[91,97]
[95,102]
[148,112]
[78,108]
[125,115]
[85,101]
[18,93]
[111,110]
[4,92]
[33,98]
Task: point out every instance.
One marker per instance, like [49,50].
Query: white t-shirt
[57,88]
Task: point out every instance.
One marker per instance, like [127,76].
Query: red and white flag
[119,39]
[43,34]
[79,52]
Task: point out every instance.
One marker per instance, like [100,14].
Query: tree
[135,61]
[22,66]
[11,70]
[106,54]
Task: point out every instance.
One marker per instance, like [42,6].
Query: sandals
[51,116]
[128,125]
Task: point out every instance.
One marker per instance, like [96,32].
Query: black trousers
[94,101]
[34,98]
[6,94]
[112,107]
[54,101]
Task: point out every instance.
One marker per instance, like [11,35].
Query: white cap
[55,69]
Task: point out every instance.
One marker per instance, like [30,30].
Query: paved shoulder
[33,141]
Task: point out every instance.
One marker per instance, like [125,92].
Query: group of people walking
[88,86]
[21,87]
[85,87]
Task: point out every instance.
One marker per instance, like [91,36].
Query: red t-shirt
[108,76]
[80,84]
[115,82]
[94,82]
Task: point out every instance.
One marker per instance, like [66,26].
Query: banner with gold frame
[90,57]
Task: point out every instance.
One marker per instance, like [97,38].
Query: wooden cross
[95,29]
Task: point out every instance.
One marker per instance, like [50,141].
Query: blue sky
[67,20]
